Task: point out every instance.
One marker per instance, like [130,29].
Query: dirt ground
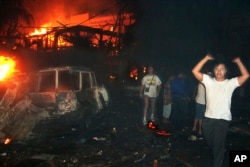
[118,139]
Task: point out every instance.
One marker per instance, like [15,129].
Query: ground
[118,139]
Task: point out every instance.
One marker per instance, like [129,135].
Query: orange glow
[144,70]
[134,73]
[46,34]
[7,67]
[40,31]
[7,141]
[112,77]
[163,133]
[151,125]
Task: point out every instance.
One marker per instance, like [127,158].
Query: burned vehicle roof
[76,68]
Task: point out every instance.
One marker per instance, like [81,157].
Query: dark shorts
[199,110]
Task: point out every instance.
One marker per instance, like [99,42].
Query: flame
[112,77]
[41,31]
[7,66]
[134,73]
[7,141]
[144,70]
[47,36]
[151,125]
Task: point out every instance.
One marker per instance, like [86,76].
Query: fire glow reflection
[154,127]
[7,141]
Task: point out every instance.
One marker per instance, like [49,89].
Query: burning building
[88,24]
[91,31]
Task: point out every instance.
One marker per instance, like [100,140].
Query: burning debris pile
[17,113]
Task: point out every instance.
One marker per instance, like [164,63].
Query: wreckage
[49,94]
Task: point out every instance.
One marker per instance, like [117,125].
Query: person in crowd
[200,106]
[167,101]
[149,91]
[179,101]
[219,92]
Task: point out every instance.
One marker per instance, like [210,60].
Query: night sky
[181,32]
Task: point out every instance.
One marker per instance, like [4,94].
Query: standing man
[219,91]
[149,91]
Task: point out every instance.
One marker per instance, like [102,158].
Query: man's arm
[244,73]
[141,90]
[197,69]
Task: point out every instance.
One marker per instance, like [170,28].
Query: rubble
[116,139]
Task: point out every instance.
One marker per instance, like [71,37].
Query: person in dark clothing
[179,101]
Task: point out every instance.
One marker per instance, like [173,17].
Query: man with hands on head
[219,92]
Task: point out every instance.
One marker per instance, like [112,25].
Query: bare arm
[244,73]
[141,90]
[197,69]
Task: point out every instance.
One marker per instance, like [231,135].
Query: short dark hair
[225,65]
[218,63]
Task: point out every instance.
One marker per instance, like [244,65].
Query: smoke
[54,11]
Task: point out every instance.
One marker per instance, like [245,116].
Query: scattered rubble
[116,139]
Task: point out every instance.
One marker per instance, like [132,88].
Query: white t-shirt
[151,82]
[218,97]
[200,96]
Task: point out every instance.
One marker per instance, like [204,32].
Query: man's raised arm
[197,69]
[244,73]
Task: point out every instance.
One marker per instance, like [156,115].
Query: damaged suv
[50,99]
[67,89]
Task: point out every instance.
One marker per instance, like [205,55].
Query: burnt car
[48,100]
[66,89]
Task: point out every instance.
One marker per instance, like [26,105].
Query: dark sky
[180,31]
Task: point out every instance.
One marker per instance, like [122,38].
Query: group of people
[175,98]
[212,101]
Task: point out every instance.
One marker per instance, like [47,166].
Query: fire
[134,73]
[46,37]
[144,70]
[7,141]
[112,77]
[7,66]
[151,125]
[40,31]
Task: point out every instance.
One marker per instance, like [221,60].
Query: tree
[13,14]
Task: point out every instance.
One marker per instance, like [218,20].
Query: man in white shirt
[149,91]
[219,92]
